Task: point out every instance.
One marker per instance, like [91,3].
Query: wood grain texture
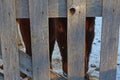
[1,23]
[25,64]
[0,48]
[8,41]
[94,8]
[109,45]
[22,8]
[76,38]
[58,8]
[1,77]
[39,37]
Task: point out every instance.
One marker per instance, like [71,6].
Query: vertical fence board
[76,38]
[0,23]
[1,17]
[22,8]
[8,41]
[39,32]
[57,8]
[94,8]
[109,45]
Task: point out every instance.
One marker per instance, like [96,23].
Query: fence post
[8,40]
[39,36]
[76,38]
[109,45]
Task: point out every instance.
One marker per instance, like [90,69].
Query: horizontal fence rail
[58,8]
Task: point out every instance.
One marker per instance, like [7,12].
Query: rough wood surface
[25,63]
[58,8]
[39,37]
[1,23]
[94,8]
[1,14]
[22,8]
[76,38]
[8,41]
[109,45]
[1,76]
[26,67]
[0,47]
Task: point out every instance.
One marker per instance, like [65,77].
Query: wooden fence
[16,62]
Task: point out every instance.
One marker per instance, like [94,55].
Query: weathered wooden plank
[0,48]
[58,8]
[109,45]
[8,41]
[22,8]
[94,8]
[26,67]
[25,63]
[1,18]
[39,36]
[76,38]
[1,76]
[1,14]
